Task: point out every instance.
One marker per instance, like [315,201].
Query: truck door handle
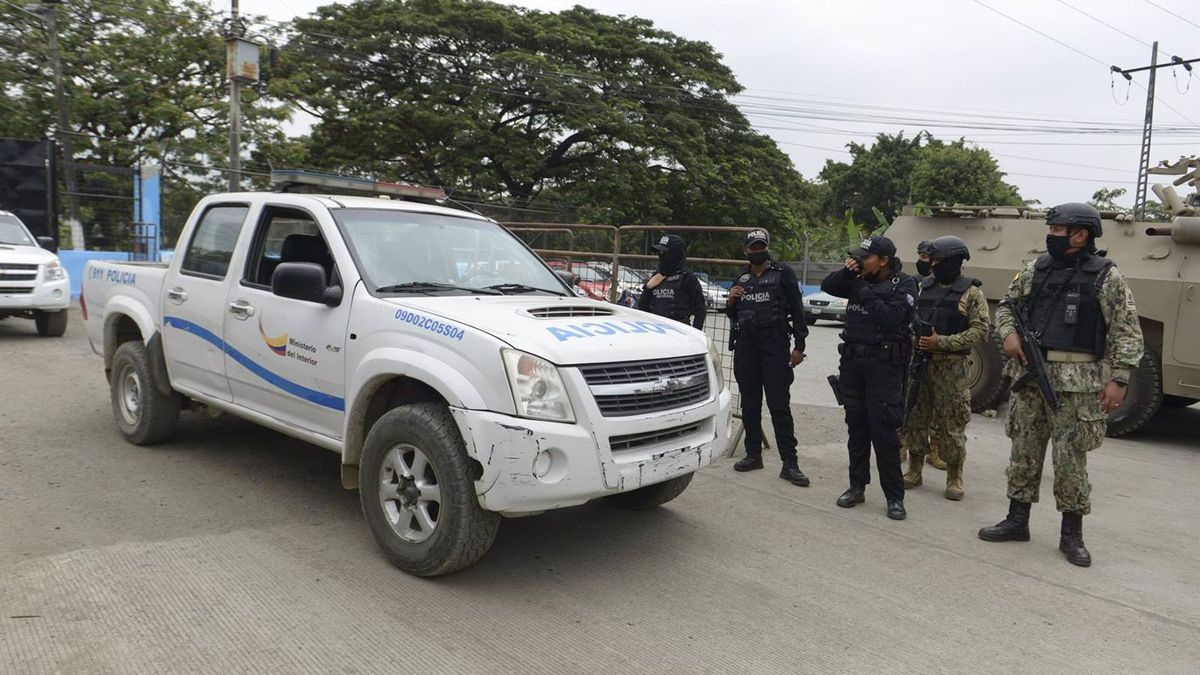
[177,295]
[241,309]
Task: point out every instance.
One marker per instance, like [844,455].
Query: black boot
[895,510]
[793,474]
[1070,541]
[1013,528]
[749,463]
[857,494]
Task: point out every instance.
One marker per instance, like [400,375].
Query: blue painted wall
[74,262]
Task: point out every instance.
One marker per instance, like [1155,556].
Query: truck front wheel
[418,492]
[144,415]
[1143,396]
[50,324]
[985,376]
[652,495]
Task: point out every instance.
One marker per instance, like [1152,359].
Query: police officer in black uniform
[673,291]
[877,345]
[767,313]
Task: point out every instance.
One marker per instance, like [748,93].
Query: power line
[1181,18]
[1102,23]
[1045,35]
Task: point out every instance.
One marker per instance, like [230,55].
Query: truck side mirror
[304,281]
[48,243]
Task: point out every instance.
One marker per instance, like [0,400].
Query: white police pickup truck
[455,373]
[33,283]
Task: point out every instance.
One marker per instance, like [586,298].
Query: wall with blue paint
[74,261]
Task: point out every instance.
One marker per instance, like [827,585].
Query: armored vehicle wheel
[1142,399]
[418,492]
[143,414]
[985,376]
[50,324]
[652,495]
[1170,401]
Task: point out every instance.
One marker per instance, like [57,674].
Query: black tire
[1172,401]
[985,376]
[149,417]
[810,320]
[50,324]
[651,496]
[463,532]
[1143,398]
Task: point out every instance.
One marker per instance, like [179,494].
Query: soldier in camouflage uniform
[958,312]
[1080,306]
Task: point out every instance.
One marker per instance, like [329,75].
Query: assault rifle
[917,367]
[1035,365]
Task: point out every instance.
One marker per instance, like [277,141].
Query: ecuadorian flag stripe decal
[297,390]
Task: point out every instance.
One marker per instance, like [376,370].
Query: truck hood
[565,331]
[25,254]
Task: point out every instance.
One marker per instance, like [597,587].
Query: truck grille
[16,290]
[17,272]
[634,441]
[639,387]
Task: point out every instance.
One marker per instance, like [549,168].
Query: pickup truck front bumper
[50,296]
[530,466]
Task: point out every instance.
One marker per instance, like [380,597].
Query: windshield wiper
[522,288]
[429,286]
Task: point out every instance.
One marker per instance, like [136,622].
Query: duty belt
[859,349]
[1070,357]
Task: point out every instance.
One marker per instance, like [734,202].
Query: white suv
[33,283]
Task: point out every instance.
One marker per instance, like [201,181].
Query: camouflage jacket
[1123,346]
[973,306]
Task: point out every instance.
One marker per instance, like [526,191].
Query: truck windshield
[13,233]
[426,253]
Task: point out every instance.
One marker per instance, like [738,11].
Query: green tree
[599,118]
[144,83]
[951,173]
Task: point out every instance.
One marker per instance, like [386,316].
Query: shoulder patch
[744,278]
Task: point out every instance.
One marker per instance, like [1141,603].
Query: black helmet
[923,247]
[1075,214]
[948,246]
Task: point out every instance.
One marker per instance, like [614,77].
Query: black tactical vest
[1064,304]
[762,306]
[938,304]
[669,298]
[860,325]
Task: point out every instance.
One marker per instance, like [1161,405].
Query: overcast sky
[942,61]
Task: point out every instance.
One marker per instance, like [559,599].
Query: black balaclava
[670,260]
[923,267]
[948,270]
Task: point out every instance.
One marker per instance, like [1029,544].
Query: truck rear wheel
[50,324]
[985,376]
[144,415]
[652,495]
[417,491]
[1142,398]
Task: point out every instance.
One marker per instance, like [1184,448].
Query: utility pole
[235,30]
[1139,203]
[49,13]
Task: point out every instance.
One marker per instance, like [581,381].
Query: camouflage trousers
[939,418]
[1076,429]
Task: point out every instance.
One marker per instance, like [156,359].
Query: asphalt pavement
[232,549]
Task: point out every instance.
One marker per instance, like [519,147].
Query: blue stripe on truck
[297,390]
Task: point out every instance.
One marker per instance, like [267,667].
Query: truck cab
[454,372]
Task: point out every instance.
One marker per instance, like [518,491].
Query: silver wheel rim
[130,396]
[409,493]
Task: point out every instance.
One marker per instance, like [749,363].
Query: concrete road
[234,550]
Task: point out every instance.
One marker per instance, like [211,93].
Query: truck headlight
[537,387]
[54,271]
[716,361]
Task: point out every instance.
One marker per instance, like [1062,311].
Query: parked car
[821,305]
[455,392]
[33,283]
[715,296]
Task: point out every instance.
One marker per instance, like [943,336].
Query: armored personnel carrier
[1161,261]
